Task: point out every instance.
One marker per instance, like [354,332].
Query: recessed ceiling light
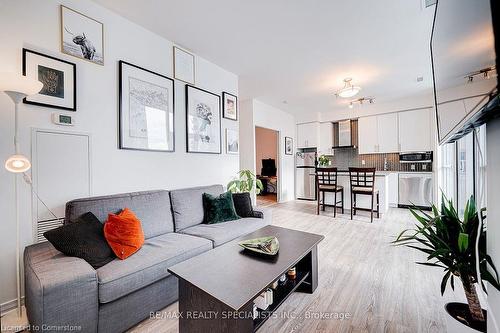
[349,90]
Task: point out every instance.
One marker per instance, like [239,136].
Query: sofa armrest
[60,291]
[264,213]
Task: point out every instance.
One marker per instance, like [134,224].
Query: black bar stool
[326,181]
[363,183]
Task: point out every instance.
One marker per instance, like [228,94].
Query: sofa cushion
[148,265]
[151,207]
[218,209]
[84,239]
[124,233]
[224,232]
[243,204]
[187,205]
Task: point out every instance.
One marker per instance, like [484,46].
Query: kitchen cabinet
[387,133]
[378,134]
[308,135]
[415,130]
[368,135]
[325,139]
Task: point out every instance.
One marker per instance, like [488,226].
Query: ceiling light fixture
[361,100]
[487,73]
[349,90]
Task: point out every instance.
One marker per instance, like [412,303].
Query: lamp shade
[19,84]
[17,164]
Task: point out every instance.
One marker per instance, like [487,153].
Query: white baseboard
[10,305]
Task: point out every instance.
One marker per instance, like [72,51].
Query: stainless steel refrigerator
[305,163]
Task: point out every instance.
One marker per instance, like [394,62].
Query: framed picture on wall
[146,109]
[184,65]
[232,141]
[58,78]
[230,106]
[82,36]
[203,121]
[288,145]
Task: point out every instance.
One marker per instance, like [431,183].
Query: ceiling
[300,51]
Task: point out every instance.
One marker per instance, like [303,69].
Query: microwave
[419,157]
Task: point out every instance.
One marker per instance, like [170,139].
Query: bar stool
[326,181]
[363,183]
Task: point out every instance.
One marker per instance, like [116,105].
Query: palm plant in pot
[450,244]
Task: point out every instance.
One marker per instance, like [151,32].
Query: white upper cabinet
[308,135]
[415,130]
[388,134]
[368,135]
[325,139]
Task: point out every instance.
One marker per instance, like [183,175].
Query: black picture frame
[121,144]
[188,86]
[287,140]
[224,94]
[73,66]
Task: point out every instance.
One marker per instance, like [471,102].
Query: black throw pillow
[218,209]
[83,239]
[243,204]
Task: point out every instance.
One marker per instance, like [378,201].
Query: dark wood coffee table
[217,288]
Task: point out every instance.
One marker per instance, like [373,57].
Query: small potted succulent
[450,244]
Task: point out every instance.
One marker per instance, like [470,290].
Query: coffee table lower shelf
[280,294]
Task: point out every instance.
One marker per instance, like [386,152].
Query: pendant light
[348,90]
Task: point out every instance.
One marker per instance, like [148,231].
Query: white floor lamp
[18,87]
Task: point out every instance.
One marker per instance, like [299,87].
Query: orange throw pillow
[124,233]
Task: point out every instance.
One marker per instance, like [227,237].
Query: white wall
[36,25]
[255,113]
[493,198]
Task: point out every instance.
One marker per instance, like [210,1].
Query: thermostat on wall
[63,119]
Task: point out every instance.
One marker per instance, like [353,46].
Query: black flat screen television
[464,66]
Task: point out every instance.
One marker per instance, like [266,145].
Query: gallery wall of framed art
[88,91]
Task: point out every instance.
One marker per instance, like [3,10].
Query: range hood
[343,134]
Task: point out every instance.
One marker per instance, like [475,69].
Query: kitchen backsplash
[345,158]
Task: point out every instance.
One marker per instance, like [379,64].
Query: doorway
[267,164]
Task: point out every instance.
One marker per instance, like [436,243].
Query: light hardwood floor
[360,274]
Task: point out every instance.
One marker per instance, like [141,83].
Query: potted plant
[323,161]
[245,182]
[449,244]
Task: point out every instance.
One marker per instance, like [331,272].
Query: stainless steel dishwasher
[415,189]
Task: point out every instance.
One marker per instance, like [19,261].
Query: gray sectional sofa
[66,292]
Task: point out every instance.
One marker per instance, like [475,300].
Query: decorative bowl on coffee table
[265,245]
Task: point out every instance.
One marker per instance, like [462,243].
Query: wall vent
[46,225]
